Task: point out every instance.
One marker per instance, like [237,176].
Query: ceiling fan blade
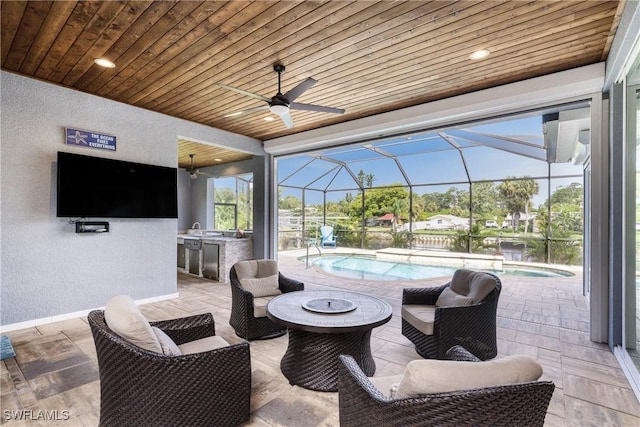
[311,107]
[300,89]
[197,173]
[247,111]
[287,120]
[244,92]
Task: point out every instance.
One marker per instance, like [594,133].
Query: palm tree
[397,207]
[368,180]
[527,188]
[518,194]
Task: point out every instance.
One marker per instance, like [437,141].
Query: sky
[432,161]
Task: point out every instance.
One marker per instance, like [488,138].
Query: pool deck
[55,366]
[544,318]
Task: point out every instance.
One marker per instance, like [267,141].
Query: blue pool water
[372,269]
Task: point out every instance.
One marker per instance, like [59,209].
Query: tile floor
[55,373]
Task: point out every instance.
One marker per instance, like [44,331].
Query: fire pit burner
[329,305]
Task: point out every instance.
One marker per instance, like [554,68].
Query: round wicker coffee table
[323,325]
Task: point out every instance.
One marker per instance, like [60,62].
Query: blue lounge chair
[327,239]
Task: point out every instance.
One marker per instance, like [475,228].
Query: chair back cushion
[474,284]
[124,318]
[258,276]
[256,268]
[439,376]
[449,298]
[169,347]
[261,286]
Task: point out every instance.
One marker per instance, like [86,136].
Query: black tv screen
[98,187]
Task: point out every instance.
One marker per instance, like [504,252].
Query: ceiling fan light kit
[281,104]
[279,109]
[195,173]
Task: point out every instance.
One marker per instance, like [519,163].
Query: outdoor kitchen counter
[181,238]
[230,251]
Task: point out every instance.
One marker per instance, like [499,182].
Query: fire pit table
[323,325]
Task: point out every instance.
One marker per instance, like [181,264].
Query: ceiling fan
[280,104]
[194,173]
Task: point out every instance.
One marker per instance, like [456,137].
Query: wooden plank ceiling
[205,154]
[369,57]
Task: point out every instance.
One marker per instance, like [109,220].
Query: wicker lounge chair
[248,313]
[139,387]
[434,328]
[362,404]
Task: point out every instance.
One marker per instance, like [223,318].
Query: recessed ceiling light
[269,119]
[103,62]
[479,54]
[237,113]
[217,160]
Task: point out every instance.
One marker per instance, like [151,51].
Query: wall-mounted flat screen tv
[98,187]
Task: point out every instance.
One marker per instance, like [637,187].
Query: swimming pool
[359,267]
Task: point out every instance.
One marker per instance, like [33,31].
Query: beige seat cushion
[387,385]
[124,318]
[255,268]
[202,345]
[437,376]
[260,305]
[474,284]
[261,286]
[420,317]
[449,298]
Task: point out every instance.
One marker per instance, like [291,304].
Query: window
[233,202]
[511,186]
[631,289]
